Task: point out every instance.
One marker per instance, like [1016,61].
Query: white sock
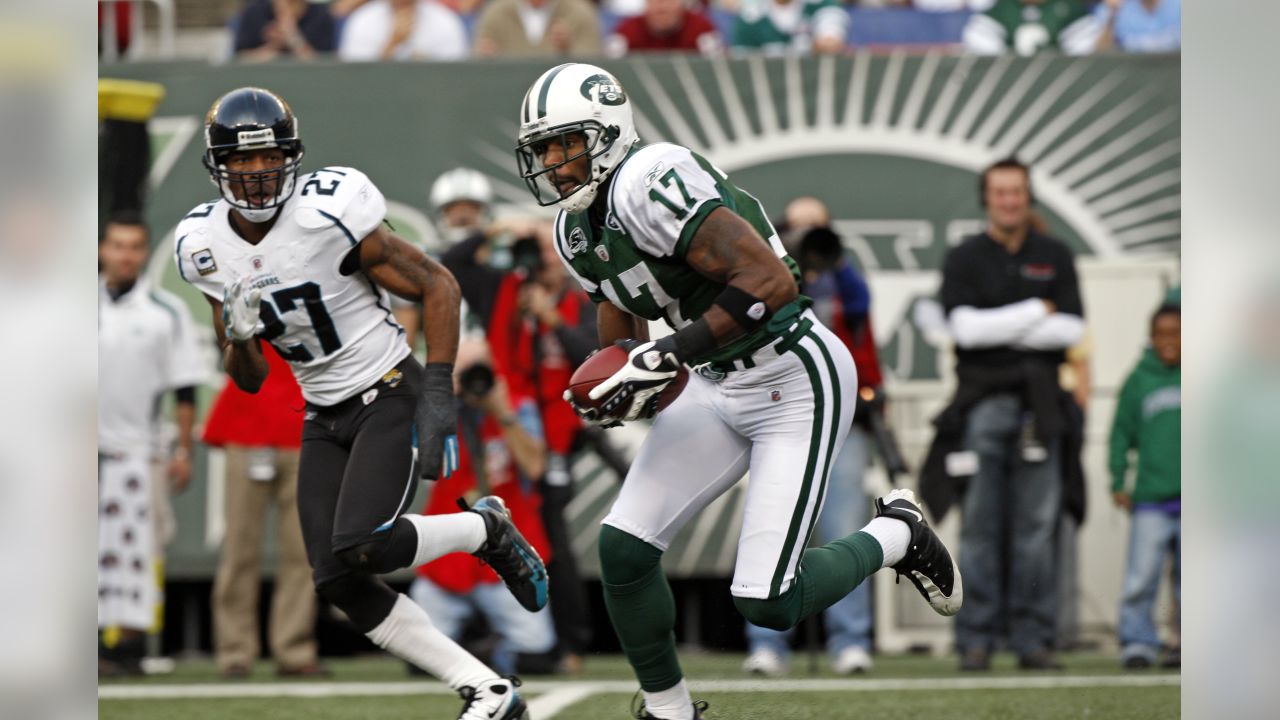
[673,703]
[893,535]
[443,534]
[408,634]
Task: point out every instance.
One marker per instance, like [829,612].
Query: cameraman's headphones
[1007,163]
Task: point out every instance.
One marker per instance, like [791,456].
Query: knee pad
[625,558]
[780,613]
[367,601]
[381,552]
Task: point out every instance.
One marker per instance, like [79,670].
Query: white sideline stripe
[581,689]
[547,706]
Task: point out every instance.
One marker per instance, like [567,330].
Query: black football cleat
[927,564]
[496,699]
[509,554]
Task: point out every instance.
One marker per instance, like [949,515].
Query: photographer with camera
[501,452]
[842,301]
[541,328]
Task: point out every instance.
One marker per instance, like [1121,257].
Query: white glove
[240,311]
[633,390]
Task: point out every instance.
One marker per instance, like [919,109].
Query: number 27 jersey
[336,330]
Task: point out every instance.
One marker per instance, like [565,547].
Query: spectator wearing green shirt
[779,27]
[1027,27]
[1149,419]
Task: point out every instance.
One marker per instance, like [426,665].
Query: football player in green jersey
[658,232]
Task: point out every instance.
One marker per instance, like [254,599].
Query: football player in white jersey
[305,263]
[658,232]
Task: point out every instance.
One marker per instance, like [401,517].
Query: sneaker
[496,699]
[639,712]
[236,671]
[309,670]
[1135,656]
[927,563]
[1136,662]
[975,660]
[509,554]
[853,659]
[765,662]
[1039,660]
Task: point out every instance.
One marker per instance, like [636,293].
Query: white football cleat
[495,699]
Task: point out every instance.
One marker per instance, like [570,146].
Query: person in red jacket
[665,26]
[501,452]
[260,435]
[542,327]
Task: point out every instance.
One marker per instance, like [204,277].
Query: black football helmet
[252,119]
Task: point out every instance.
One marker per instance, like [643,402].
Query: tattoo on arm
[714,250]
[727,249]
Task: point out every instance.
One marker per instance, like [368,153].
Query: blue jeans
[1154,534]
[1010,519]
[519,630]
[844,512]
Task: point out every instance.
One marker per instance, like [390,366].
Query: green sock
[830,572]
[826,574]
[641,607]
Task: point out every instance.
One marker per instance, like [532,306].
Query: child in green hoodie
[1149,419]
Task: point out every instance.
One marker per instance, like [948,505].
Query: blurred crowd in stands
[371,30]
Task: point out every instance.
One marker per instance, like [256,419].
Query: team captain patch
[203,260]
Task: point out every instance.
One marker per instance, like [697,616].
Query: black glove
[436,423]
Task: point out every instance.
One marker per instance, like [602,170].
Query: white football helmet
[574,98]
[461,184]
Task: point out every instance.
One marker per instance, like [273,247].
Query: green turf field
[914,687]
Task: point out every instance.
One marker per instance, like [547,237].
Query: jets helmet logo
[603,89]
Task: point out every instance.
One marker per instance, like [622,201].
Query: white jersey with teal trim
[336,330]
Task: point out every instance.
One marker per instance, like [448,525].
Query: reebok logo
[652,176]
[755,312]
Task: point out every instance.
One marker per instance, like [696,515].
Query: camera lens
[477,380]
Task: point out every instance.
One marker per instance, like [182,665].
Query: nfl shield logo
[603,253]
[257,263]
[775,394]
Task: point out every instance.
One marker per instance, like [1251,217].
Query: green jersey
[777,27]
[1027,27]
[657,199]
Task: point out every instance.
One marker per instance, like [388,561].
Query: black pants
[356,472]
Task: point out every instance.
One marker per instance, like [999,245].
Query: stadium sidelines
[552,697]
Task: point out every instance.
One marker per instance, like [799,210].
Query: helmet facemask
[255,183]
[542,180]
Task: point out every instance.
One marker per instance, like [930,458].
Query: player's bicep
[394,264]
[726,249]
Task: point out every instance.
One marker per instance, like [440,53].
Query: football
[602,365]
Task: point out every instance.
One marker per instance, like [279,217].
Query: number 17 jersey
[657,200]
[325,316]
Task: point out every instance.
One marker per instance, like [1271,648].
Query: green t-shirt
[657,199]
[1028,27]
[773,27]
